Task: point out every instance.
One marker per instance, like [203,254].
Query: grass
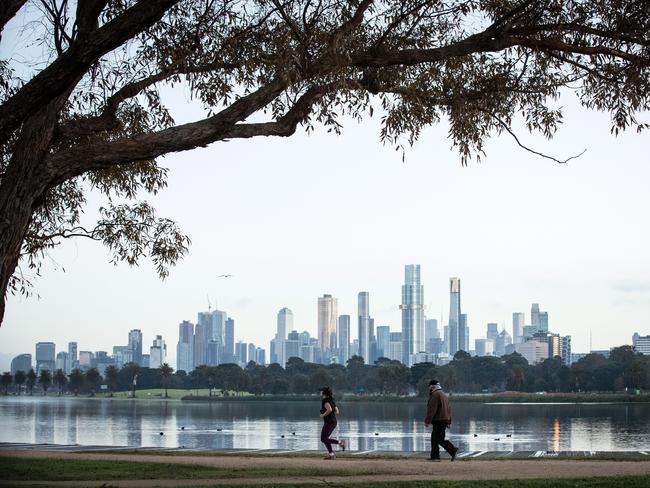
[20,469]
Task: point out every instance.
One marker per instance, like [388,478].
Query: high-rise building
[251,352]
[213,353]
[395,346]
[518,323]
[554,345]
[292,346]
[72,356]
[102,361]
[565,352]
[185,347]
[641,344]
[484,347]
[45,356]
[502,341]
[383,341]
[463,333]
[229,346]
[260,356]
[285,323]
[122,355]
[364,325]
[22,362]
[543,322]
[201,332]
[431,332]
[307,353]
[157,353]
[86,360]
[454,316]
[327,315]
[343,336]
[412,307]
[135,344]
[492,331]
[534,315]
[533,351]
[445,338]
[62,361]
[241,352]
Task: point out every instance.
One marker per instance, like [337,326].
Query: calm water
[253,425]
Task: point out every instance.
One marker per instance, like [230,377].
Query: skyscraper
[45,356]
[492,331]
[454,316]
[463,333]
[201,342]
[157,353]
[285,323]
[343,337]
[364,325]
[534,315]
[229,346]
[383,341]
[135,344]
[412,314]
[518,323]
[72,356]
[185,347]
[543,322]
[431,332]
[327,315]
[22,362]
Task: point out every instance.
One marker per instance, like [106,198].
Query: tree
[130,371]
[6,380]
[31,381]
[93,380]
[166,372]
[19,380]
[45,380]
[76,378]
[91,115]
[60,379]
[111,375]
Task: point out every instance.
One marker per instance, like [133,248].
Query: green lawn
[16,469]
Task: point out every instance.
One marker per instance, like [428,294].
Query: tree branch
[8,10]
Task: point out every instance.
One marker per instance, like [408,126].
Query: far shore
[501,397]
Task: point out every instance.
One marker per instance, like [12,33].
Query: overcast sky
[294,218]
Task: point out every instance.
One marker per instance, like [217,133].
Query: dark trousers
[325,433]
[438,439]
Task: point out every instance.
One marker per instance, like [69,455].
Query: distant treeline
[624,369]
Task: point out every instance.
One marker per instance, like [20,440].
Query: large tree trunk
[22,190]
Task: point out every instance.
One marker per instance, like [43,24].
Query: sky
[294,218]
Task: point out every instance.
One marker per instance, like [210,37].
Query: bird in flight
[224,276]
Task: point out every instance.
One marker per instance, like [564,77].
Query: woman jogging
[328,413]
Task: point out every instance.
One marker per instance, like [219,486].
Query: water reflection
[296,425]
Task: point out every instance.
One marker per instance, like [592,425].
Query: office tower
[412,314]
[185,347]
[260,356]
[554,345]
[274,358]
[145,360]
[463,333]
[431,332]
[241,352]
[72,356]
[62,361]
[292,346]
[45,356]
[565,352]
[307,353]
[229,346]
[492,331]
[518,323]
[364,326]
[251,352]
[201,330]
[327,315]
[533,351]
[213,353]
[534,315]
[640,344]
[135,344]
[445,338]
[543,321]
[501,342]
[454,316]
[122,355]
[343,336]
[284,327]
[102,361]
[395,346]
[305,338]
[383,341]
[86,360]
[22,362]
[484,347]
[157,353]
[354,348]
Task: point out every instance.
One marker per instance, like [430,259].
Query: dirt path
[385,469]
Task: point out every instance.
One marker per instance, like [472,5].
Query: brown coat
[438,408]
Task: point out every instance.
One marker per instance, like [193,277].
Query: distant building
[534,315]
[602,352]
[492,331]
[543,321]
[22,362]
[383,340]
[135,344]
[102,361]
[72,356]
[45,356]
[412,308]
[146,361]
[86,360]
[641,344]
[285,323]
[185,347]
[518,322]
[484,347]
[241,353]
[157,353]
[343,337]
[260,356]
[501,343]
[229,345]
[454,316]
[307,353]
[364,335]
[327,315]
[534,351]
[122,355]
[395,347]
[565,350]
[62,361]
[431,332]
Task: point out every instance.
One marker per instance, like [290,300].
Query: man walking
[439,417]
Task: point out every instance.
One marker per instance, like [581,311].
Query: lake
[366,426]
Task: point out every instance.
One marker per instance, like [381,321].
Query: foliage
[19,380]
[60,379]
[89,115]
[31,381]
[6,380]
[45,380]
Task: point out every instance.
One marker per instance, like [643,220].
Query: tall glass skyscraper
[412,314]
[135,344]
[327,315]
[343,336]
[185,347]
[285,323]
[518,323]
[454,317]
[364,326]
